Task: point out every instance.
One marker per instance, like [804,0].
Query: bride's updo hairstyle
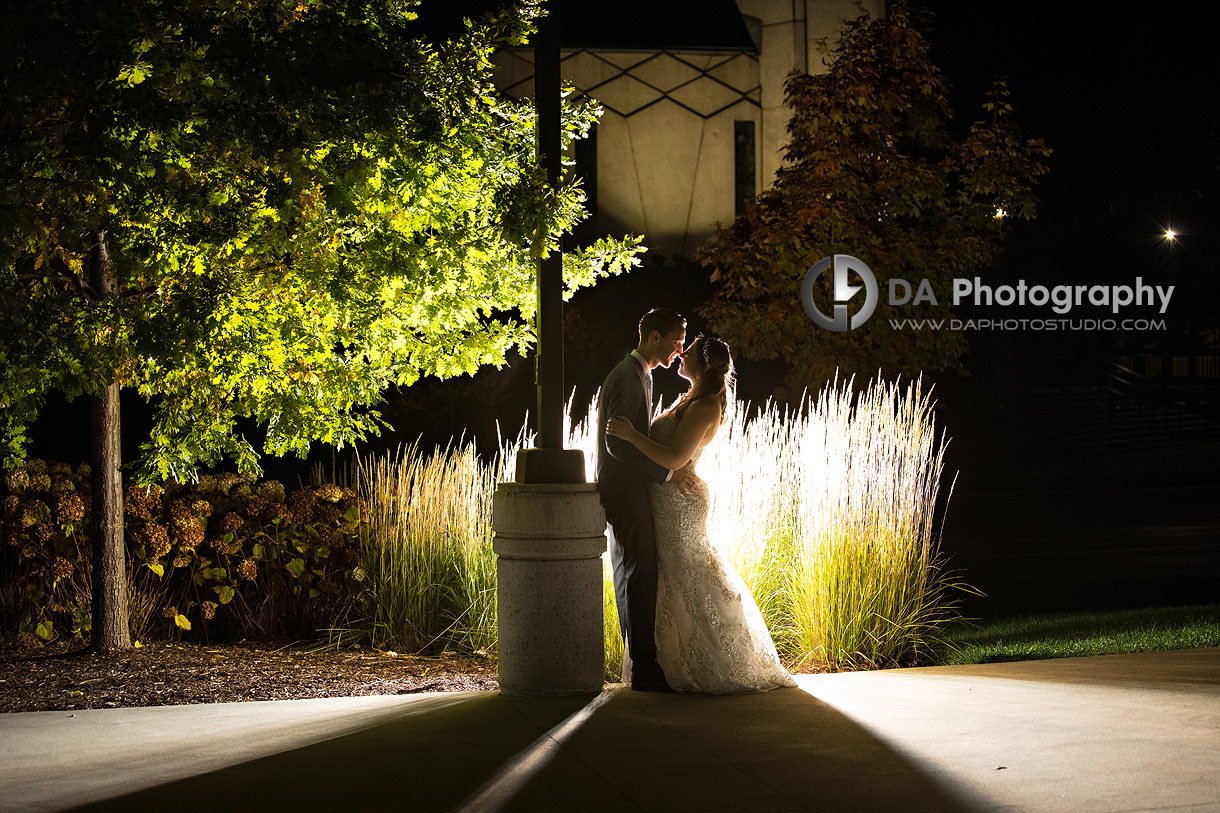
[714,379]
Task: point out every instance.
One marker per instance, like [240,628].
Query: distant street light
[1170,234]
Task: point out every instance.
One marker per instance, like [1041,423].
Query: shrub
[226,556]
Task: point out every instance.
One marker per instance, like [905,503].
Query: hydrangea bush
[226,556]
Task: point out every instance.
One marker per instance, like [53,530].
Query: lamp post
[549,524]
[549,462]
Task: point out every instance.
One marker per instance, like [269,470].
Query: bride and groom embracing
[689,621]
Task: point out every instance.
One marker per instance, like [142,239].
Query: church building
[694,121]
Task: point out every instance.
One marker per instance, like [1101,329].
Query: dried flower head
[329,493]
[271,490]
[17,480]
[61,567]
[156,538]
[180,510]
[33,513]
[12,504]
[226,482]
[208,608]
[142,502]
[40,482]
[44,531]
[169,612]
[70,509]
[257,506]
[189,531]
[300,506]
[232,546]
[327,515]
[248,569]
[231,523]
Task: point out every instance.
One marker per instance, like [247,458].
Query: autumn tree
[873,170]
[266,209]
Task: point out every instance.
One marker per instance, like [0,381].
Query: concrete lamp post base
[549,538]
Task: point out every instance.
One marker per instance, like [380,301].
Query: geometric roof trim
[638,81]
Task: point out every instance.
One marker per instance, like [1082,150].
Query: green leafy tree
[873,171]
[264,209]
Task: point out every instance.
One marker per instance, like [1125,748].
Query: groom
[621,473]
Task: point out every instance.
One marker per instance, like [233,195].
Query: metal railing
[1125,408]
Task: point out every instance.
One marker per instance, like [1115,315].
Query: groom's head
[662,334]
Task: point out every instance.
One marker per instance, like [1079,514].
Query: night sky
[1126,100]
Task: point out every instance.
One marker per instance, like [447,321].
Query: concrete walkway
[1111,733]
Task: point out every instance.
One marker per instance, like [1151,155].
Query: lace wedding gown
[710,633]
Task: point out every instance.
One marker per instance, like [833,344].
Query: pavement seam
[491,795]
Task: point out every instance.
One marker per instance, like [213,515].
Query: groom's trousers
[633,556]
[622,472]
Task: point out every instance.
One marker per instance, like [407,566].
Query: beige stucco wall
[665,142]
[669,172]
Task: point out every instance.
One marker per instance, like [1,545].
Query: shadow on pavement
[621,750]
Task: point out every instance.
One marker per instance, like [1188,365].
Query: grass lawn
[1067,635]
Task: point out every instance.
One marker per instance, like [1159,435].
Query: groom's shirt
[646,376]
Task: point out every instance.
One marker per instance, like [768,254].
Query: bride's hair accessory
[716,355]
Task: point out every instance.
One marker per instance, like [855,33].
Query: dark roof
[654,25]
[643,25]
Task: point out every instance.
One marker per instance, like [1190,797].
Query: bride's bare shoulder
[703,413]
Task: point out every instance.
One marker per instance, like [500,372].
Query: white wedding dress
[710,634]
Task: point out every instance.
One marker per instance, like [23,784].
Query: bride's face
[690,364]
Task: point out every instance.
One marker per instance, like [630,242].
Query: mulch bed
[164,674]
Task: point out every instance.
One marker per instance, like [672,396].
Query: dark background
[1079,484]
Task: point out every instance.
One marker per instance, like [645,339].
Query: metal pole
[549,462]
[549,370]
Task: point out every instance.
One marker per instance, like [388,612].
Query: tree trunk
[110,631]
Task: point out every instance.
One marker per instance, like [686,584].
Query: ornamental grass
[427,554]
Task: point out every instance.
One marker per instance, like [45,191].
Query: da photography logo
[841,265]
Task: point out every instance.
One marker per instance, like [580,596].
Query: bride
[710,634]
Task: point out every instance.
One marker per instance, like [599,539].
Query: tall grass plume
[428,557]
